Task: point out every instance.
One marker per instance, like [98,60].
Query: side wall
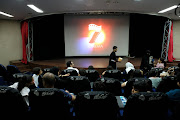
[176,39]
[10,41]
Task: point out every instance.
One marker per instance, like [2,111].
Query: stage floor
[99,64]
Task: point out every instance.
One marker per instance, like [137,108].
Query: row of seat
[6,74]
[87,106]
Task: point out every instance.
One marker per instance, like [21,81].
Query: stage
[100,64]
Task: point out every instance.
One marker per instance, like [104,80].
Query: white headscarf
[129,66]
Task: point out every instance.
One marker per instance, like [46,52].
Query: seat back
[2,81]
[11,101]
[108,84]
[146,106]
[12,69]
[18,76]
[113,74]
[49,101]
[4,73]
[3,70]
[92,75]
[76,84]
[71,71]
[175,110]
[94,105]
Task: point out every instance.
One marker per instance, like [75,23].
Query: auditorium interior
[55,59]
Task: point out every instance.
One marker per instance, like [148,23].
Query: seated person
[49,81]
[169,72]
[37,71]
[142,86]
[108,68]
[91,67]
[161,63]
[174,94]
[23,86]
[153,76]
[70,71]
[70,65]
[129,66]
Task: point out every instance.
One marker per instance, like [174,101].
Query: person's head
[90,67]
[25,81]
[82,72]
[109,68]
[148,52]
[142,86]
[153,73]
[138,73]
[54,70]
[37,71]
[48,80]
[161,60]
[70,64]
[115,48]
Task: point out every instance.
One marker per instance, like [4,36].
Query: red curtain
[24,33]
[170,51]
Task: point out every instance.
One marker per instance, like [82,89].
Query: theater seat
[4,74]
[76,84]
[11,102]
[92,75]
[96,105]
[113,74]
[71,71]
[12,69]
[49,103]
[108,84]
[146,106]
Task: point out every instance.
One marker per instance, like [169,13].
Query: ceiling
[20,11]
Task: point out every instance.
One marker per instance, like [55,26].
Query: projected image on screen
[96,35]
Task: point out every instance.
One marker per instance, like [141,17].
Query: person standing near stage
[113,59]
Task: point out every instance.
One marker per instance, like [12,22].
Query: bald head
[49,80]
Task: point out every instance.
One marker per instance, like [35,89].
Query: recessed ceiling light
[137,0]
[168,9]
[35,8]
[5,14]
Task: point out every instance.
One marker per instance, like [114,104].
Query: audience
[70,65]
[23,86]
[161,63]
[169,72]
[161,82]
[153,76]
[49,82]
[37,71]
[91,67]
[142,86]
[174,94]
[129,66]
[108,68]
